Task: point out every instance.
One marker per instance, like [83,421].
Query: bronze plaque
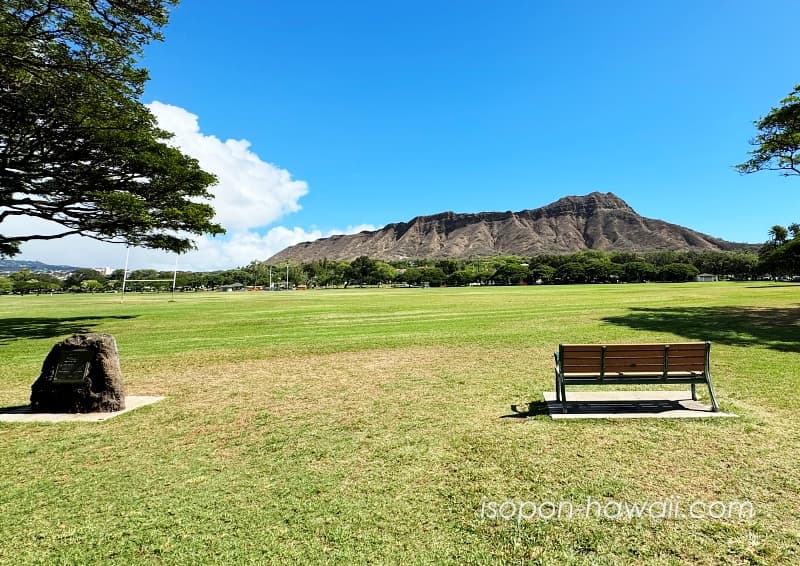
[73,366]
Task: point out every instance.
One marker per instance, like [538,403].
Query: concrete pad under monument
[25,414]
[629,405]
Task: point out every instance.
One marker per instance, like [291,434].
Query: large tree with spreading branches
[777,146]
[77,146]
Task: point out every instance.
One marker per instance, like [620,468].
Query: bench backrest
[633,358]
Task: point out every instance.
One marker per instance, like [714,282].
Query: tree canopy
[77,147]
[780,255]
[777,146]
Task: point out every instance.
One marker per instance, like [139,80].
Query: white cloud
[250,195]
[237,249]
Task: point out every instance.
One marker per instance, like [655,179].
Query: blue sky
[355,114]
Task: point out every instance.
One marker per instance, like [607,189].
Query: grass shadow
[40,327]
[775,328]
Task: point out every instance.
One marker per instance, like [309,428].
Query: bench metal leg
[714,406]
[694,392]
[558,389]
[561,394]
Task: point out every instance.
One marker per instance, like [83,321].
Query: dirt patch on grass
[374,380]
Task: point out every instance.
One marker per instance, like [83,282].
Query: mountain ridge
[11,265]
[599,221]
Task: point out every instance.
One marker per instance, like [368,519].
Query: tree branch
[38,237]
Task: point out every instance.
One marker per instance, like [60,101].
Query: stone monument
[80,375]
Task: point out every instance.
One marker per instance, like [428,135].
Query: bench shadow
[15,410]
[618,407]
[775,328]
[529,409]
[12,329]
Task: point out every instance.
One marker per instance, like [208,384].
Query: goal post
[126,280]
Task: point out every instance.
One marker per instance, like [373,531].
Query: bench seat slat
[681,345]
[633,368]
[678,366]
[584,355]
[642,359]
[687,359]
[575,349]
[612,366]
[637,355]
[631,374]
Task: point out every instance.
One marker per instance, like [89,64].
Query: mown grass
[373,425]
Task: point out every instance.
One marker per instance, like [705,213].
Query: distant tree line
[779,257]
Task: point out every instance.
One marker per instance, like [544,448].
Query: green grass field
[375,425]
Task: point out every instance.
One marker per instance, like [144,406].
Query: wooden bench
[638,364]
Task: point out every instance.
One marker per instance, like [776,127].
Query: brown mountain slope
[594,221]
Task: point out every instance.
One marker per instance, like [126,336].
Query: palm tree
[778,234]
